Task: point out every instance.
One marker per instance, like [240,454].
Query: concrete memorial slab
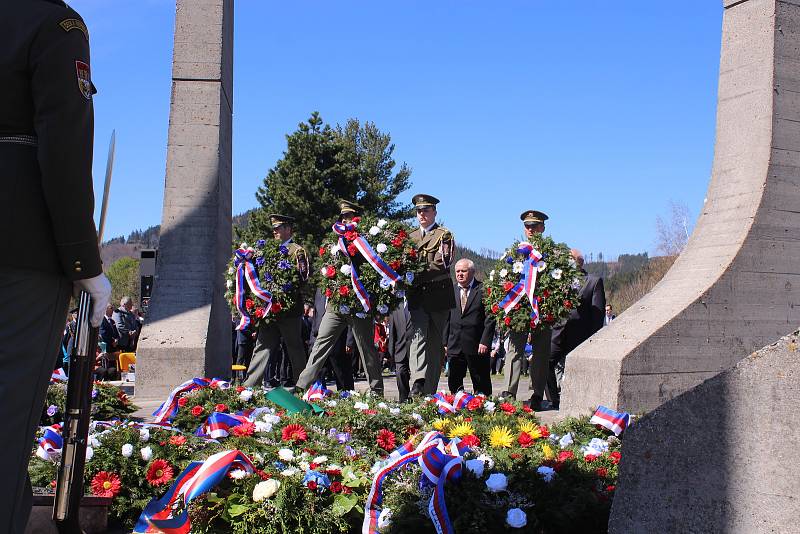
[188,332]
[719,458]
[736,286]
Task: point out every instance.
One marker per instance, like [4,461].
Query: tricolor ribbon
[460,402]
[59,375]
[50,443]
[169,407]
[246,276]
[440,460]
[196,479]
[616,422]
[220,425]
[316,392]
[375,260]
[341,229]
[526,284]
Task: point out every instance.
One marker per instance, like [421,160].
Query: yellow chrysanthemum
[461,429]
[547,452]
[530,428]
[440,424]
[500,436]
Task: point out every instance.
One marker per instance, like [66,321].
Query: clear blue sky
[598,113]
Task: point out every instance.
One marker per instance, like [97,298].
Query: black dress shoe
[506,394]
[535,404]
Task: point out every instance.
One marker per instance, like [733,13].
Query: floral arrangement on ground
[385,261]
[557,284]
[267,266]
[108,402]
[291,471]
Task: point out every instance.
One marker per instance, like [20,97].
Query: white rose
[374,230]
[345,269]
[382,223]
[541,266]
[417,417]
[127,450]
[517,267]
[476,466]
[516,518]
[243,245]
[320,459]
[147,453]
[265,489]
[488,406]
[237,474]
[382,405]
[547,473]
[144,435]
[287,455]
[385,518]
[497,482]
[246,395]
[565,441]
[89,453]
[555,274]
[262,427]
[487,460]
[323,271]
[381,248]
[394,411]
[361,406]
[335,249]
[272,419]
[503,273]
[331,403]
[291,471]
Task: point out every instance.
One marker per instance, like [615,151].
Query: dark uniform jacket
[465,330]
[584,320]
[46,136]
[433,288]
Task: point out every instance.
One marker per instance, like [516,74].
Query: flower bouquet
[533,284]
[366,265]
[108,402]
[264,281]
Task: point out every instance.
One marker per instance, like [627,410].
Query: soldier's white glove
[99,288]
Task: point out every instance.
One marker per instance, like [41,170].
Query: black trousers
[33,311]
[479,372]
[403,375]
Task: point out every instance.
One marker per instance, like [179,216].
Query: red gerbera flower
[220,408]
[515,456]
[471,440]
[508,407]
[294,432]
[395,265]
[239,389]
[402,234]
[397,242]
[259,313]
[350,235]
[385,439]
[105,484]
[177,440]
[352,250]
[526,409]
[525,440]
[248,304]
[610,488]
[159,472]
[568,304]
[197,411]
[333,472]
[488,290]
[245,429]
[344,290]
[182,401]
[616,456]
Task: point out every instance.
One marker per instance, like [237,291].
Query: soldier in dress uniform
[48,248]
[333,324]
[540,341]
[289,326]
[431,297]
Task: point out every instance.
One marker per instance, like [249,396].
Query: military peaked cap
[533,216]
[346,207]
[421,201]
[277,219]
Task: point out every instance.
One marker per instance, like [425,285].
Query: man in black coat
[583,321]
[399,341]
[49,241]
[108,331]
[468,333]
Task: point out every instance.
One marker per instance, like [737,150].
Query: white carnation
[304,466]
[335,249]
[491,276]
[361,406]
[345,269]
[489,406]
[229,283]
[287,455]
[262,427]
[246,395]
[517,267]
[503,273]
[382,223]
[144,435]
[383,405]
[331,403]
[147,453]
[238,474]
[476,466]
[127,450]
[496,482]
[374,230]
[381,248]
[394,411]
[320,459]
[541,266]
[265,489]
[516,518]
[290,472]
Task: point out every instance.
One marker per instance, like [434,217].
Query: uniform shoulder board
[447,235]
[74,24]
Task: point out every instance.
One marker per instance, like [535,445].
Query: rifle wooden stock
[69,484]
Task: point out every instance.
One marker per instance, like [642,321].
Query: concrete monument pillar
[736,286]
[188,331]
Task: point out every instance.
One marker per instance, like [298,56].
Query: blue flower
[260,261]
[385,283]
[344,394]
[260,243]
[95,393]
[509,260]
[400,294]
[343,437]
[321,479]
[284,250]
[383,309]
[287,286]
[409,277]
[279,465]
[351,452]
[344,310]
[267,277]
[51,410]
[283,264]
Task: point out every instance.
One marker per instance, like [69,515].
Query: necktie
[463,298]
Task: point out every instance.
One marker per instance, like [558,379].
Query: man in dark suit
[49,241]
[468,333]
[108,331]
[400,334]
[583,321]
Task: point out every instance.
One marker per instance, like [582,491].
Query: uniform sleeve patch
[84,79]
[74,24]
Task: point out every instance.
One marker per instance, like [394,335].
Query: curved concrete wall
[737,284]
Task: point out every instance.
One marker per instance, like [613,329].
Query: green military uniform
[46,206]
[333,324]
[430,300]
[288,327]
[540,343]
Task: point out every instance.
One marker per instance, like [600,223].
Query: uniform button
[77,269]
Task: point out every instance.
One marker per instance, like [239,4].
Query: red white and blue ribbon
[616,422]
[341,229]
[50,443]
[375,260]
[460,402]
[527,282]
[316,392]
[169,408]
[246,276]
[440,460]
[196,479]
[220,425]
[58,375]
